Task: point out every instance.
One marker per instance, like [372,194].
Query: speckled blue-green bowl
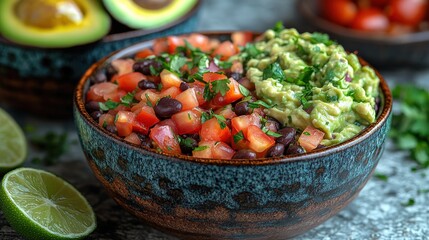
[230,199]
[46,78]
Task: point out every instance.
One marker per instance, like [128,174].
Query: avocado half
[53,23]
[147,14]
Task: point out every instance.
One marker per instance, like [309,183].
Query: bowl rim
[79,108]
[132,33]
[307,10]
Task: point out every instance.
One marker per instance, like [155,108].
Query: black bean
[242,108]
[188,144]
[166,107]
[92,106]
[244,154]
[146,84]
[96,114]
[237,76]
[295,149]
[98,77]
[276,151]
[145,65]
[112,129]
[184,86]
[110,71]
[288,135]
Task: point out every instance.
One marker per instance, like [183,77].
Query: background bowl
[41,81]
[234,199]
[382,51]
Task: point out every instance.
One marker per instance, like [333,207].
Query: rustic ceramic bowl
[41,81]
[192,198]
[382,51]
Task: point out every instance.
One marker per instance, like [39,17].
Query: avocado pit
[48,14]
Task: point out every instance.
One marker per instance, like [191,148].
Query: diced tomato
[106,119]
[160,46]
[133,138]
[213,149]
[310,138]
[212,131]
[115,96]
[148,95]
[232,95]
[169,79]
[241,38]
[165,139]
[169,122]
[242,123]
[225,50]
[96,92]
[213,76]
[187,122]
[174,42]
[239,142]
[123,66]
[258,140]
[144,53]
[199,93]
[204,149]
[226,111]
[129,81]
[170,92]
[124,123]
[188,98]
[222,150]
[199,41]
[145,119]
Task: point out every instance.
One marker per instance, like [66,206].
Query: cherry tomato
[341,12]
[410,12]
[370,19]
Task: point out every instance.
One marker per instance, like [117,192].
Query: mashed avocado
[311,80]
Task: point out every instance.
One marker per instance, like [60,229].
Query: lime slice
[13,146]
[40,205]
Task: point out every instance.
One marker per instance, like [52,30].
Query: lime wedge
[13,146]
[40,205]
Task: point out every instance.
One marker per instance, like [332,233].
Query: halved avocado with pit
[148,14]
[53,23]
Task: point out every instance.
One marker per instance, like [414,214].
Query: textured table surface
[377,213]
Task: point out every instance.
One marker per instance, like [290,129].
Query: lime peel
[40,205]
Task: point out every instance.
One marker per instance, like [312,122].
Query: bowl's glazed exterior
[195,198]
[46,78]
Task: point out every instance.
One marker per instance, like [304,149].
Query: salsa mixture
[249,97]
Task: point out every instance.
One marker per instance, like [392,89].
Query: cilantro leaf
[108,105]
[243,90]
[201,148]
[177,62]
[259,103]
[317,37]
[220,86]
[274,71]
[238,136]
[221,120]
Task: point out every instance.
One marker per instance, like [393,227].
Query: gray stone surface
[377,213]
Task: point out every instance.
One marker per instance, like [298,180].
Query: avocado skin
[96,25]
[132,15]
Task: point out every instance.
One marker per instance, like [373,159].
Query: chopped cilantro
[221,120]
[321,38]
[278,27]
[218,86]
[126,100]
[201,148]
[243,90]
[409,203]
[306,133]
[381,177]
[274,71]
[259,103]
[410,123]
[272,134]
[238,136]
[177,62]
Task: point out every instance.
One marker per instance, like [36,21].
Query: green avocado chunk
[312,80]
[148,14]
[53,24]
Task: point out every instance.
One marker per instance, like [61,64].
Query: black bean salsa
[190,95]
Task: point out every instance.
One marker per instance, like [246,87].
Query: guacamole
[311,80]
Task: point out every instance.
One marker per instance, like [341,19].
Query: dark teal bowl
[192,198]
[46,78]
